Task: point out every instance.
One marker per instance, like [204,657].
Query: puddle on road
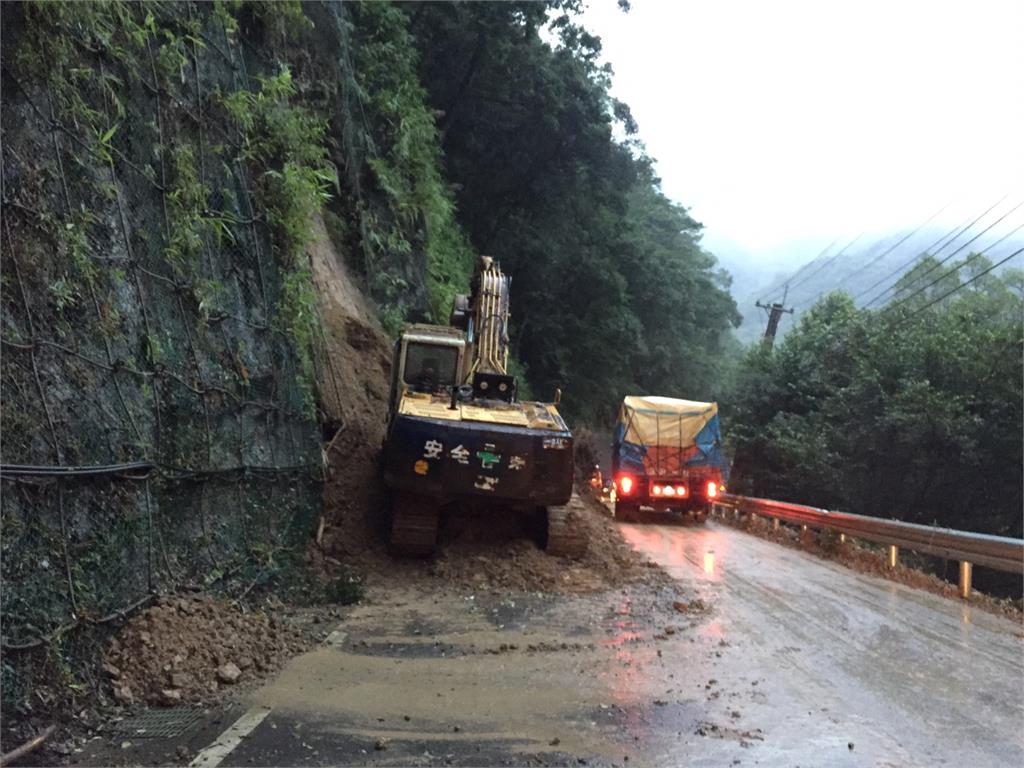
[709,563]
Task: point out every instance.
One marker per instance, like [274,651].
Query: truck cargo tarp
[663,435]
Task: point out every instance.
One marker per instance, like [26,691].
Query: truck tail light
[656,490]
[625,485]
[669,490]
[712,489]
[681,490]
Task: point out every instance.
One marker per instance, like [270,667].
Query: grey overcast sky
[785,121]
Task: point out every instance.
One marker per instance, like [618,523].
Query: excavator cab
[428,360]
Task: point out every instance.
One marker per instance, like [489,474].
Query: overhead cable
[957,268]
[958,288]
[899,271]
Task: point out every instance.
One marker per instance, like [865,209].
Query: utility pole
[775,311]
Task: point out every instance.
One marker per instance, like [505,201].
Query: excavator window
[430,367]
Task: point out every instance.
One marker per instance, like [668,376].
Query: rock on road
[795,662]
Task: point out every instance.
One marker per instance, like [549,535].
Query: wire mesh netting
[141,321]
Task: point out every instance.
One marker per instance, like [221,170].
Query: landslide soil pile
[494,550]
[184,649]
[496,553]
[353,384]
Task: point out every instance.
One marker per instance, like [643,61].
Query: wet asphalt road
[908,677]
[796,662]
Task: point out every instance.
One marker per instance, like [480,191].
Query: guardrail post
[842,538]
[965,579]
[894,553]
[775,524]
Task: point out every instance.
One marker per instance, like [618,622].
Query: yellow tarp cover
[655,420]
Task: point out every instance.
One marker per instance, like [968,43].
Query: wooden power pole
[775,311]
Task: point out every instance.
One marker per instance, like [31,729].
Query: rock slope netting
[159,168]
[179,183]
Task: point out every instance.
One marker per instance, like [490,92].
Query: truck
[458,434]
[667,457]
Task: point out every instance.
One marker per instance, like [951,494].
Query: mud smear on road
[533,674]
[483,695]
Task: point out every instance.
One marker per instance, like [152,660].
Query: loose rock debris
[693,606]
[183,649]
[745,738]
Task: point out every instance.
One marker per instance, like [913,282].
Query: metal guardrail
[998,552]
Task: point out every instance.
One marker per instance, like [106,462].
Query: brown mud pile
[185,649]
[491,549]
[498,551]
[354,382]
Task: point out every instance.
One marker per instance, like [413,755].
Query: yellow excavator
[458,434]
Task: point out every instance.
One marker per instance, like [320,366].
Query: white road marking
[214,754]
[336,639]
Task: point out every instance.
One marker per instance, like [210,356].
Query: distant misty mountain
[856,271]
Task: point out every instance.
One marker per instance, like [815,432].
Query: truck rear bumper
[687,506]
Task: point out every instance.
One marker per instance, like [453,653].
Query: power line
[801,269]
[957,268]
[829,260]
[886,252]
[896,245]
[945,240]
[959,287]
[938,264]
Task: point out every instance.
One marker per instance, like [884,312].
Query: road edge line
[231,738]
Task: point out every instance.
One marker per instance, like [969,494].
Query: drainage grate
[159,723]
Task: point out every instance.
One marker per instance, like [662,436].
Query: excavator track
[564,535]
[414,522]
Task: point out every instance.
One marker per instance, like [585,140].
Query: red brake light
[670,491]
[681,490]
[656,490]
[626,485]
[712,489]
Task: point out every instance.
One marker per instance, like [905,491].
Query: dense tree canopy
[914,411]
[612,292]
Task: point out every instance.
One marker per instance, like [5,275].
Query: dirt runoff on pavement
[188,648]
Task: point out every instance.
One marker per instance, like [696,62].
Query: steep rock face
[172,295]
[155,307]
